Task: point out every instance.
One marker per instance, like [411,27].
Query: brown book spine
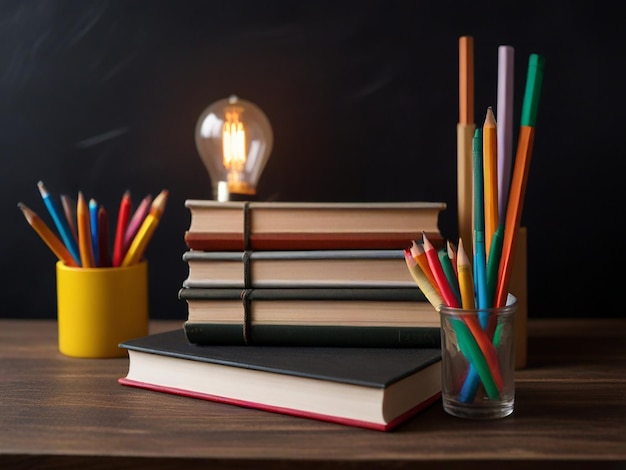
[306,241]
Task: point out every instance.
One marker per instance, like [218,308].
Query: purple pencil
[504,126]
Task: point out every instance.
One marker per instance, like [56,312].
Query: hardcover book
[241,226]
[369,388]
[357,317]
[299,268]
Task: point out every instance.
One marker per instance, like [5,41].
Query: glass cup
[478,361]
[98,308]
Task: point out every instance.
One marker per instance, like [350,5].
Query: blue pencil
[93,220]
[480,255]
[60,222]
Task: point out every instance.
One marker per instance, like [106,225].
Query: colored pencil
[136,220]
[493,264]
[447,294]
[417,251]
[466,280]
[506,60]
[519,179]
[84,233]
[480,260]
[69,207]
[122,221]
[448,270]
[490,176]
[144,234]
[48,236]
[104,256]
[422,281]
[60,222]
[93,226]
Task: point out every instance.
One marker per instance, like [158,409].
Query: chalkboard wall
[103,96]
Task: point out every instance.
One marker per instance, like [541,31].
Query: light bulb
[234,139]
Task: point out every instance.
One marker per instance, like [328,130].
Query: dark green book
[348,317]
[374,388]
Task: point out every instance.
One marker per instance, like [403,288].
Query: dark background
[103,96]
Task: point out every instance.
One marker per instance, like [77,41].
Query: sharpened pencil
[122,221]
[48,236]
[85,244]
[144,234]
[59,222]
[135,221]
[490,177]
[422,281]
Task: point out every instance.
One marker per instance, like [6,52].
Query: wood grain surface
[62,412]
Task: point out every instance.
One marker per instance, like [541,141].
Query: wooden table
[61,412]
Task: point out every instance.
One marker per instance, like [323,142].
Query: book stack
[307,274]
[305,309]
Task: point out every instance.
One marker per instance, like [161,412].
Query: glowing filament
[234,144]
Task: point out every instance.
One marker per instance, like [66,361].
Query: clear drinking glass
[478,361]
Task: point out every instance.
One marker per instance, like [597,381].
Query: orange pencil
[47,235]
[490,178]
[85,244]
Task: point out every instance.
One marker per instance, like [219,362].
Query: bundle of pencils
[82,237]
[479,282]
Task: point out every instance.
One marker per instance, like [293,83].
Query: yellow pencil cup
[97,308]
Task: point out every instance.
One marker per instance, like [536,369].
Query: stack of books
[307,274]
[302,308]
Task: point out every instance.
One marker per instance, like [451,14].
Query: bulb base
[222,193]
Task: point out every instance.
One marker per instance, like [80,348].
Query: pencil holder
[478,361]
[97,308]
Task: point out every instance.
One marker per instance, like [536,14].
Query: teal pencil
[480,256]
[493,264]
[60,222]
[448,270]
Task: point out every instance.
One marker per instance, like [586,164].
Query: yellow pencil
[417,251]
[85,244]
[490,179]
[466,280]
[428,289]
[147,228]
[47,235]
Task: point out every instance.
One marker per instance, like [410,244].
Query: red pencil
[120,229]
[442,281]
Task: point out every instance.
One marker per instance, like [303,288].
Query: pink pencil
[136,220]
